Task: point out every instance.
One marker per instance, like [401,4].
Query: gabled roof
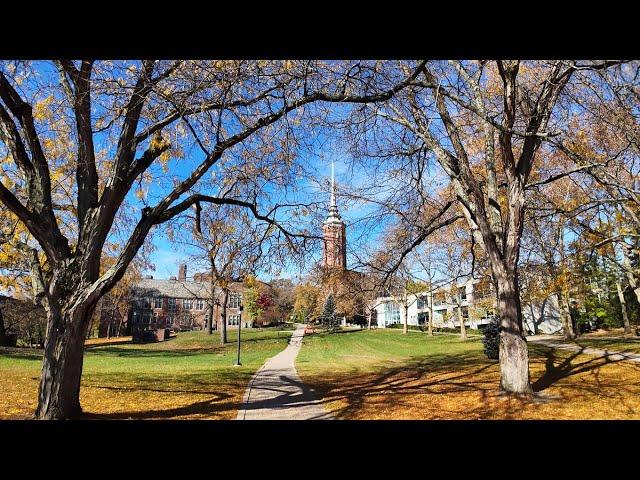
[150,287]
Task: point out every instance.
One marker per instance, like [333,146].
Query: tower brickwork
[334,234]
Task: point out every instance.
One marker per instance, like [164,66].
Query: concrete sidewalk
[276,391]
[556,342]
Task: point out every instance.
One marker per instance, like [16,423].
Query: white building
[543,317]
[447,305]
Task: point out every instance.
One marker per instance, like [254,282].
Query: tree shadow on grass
[217,394]
[566,364]
[177,350]
[21,353]
[147,352]
[213,406]
[426,382]
[394,385]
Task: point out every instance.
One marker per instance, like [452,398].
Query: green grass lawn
[383,374]
[189,376]
[361,351]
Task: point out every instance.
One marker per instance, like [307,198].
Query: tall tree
[113,126]
[483,123]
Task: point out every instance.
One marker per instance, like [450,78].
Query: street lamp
[238,364]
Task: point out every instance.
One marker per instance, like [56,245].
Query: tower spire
[334,231]
[333,185]
[333,206]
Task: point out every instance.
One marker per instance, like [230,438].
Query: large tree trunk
[623,306]
[514,355]
[59,391]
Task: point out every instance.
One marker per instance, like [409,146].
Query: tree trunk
[59,391]
[369,317]
[405,328]
[463,330]
[514,355]
[212,300]
[3,331]
[108,326]
[623,305]
[430,323]
[565,314]
[223,320]
[631,277]
[89,330]
[209,325]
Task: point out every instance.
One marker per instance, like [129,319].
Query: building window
[462,291]
[438,298]
[136,317]
[187,303]
[465,313]
[157,302]
[169,320]
[172,304]
[235,299]
[391,313]
[422,302]
[146,317]
[146,302]
[199,304]
[233,320]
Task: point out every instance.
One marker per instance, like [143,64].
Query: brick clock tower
[333,228]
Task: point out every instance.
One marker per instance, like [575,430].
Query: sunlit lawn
[189,376]
[382,374]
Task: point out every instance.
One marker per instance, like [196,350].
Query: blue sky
[168,255]
[320,148]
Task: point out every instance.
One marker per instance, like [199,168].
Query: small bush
[491,340]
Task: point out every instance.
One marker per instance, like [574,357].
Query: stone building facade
[179,304]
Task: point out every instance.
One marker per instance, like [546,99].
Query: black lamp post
[238,364]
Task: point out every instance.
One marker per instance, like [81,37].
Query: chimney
[182,272]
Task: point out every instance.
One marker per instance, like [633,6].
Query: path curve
[555,342]
[276,392]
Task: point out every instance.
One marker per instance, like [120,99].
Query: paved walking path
[554,342]
[276,391]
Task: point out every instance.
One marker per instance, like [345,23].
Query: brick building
[179,304]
